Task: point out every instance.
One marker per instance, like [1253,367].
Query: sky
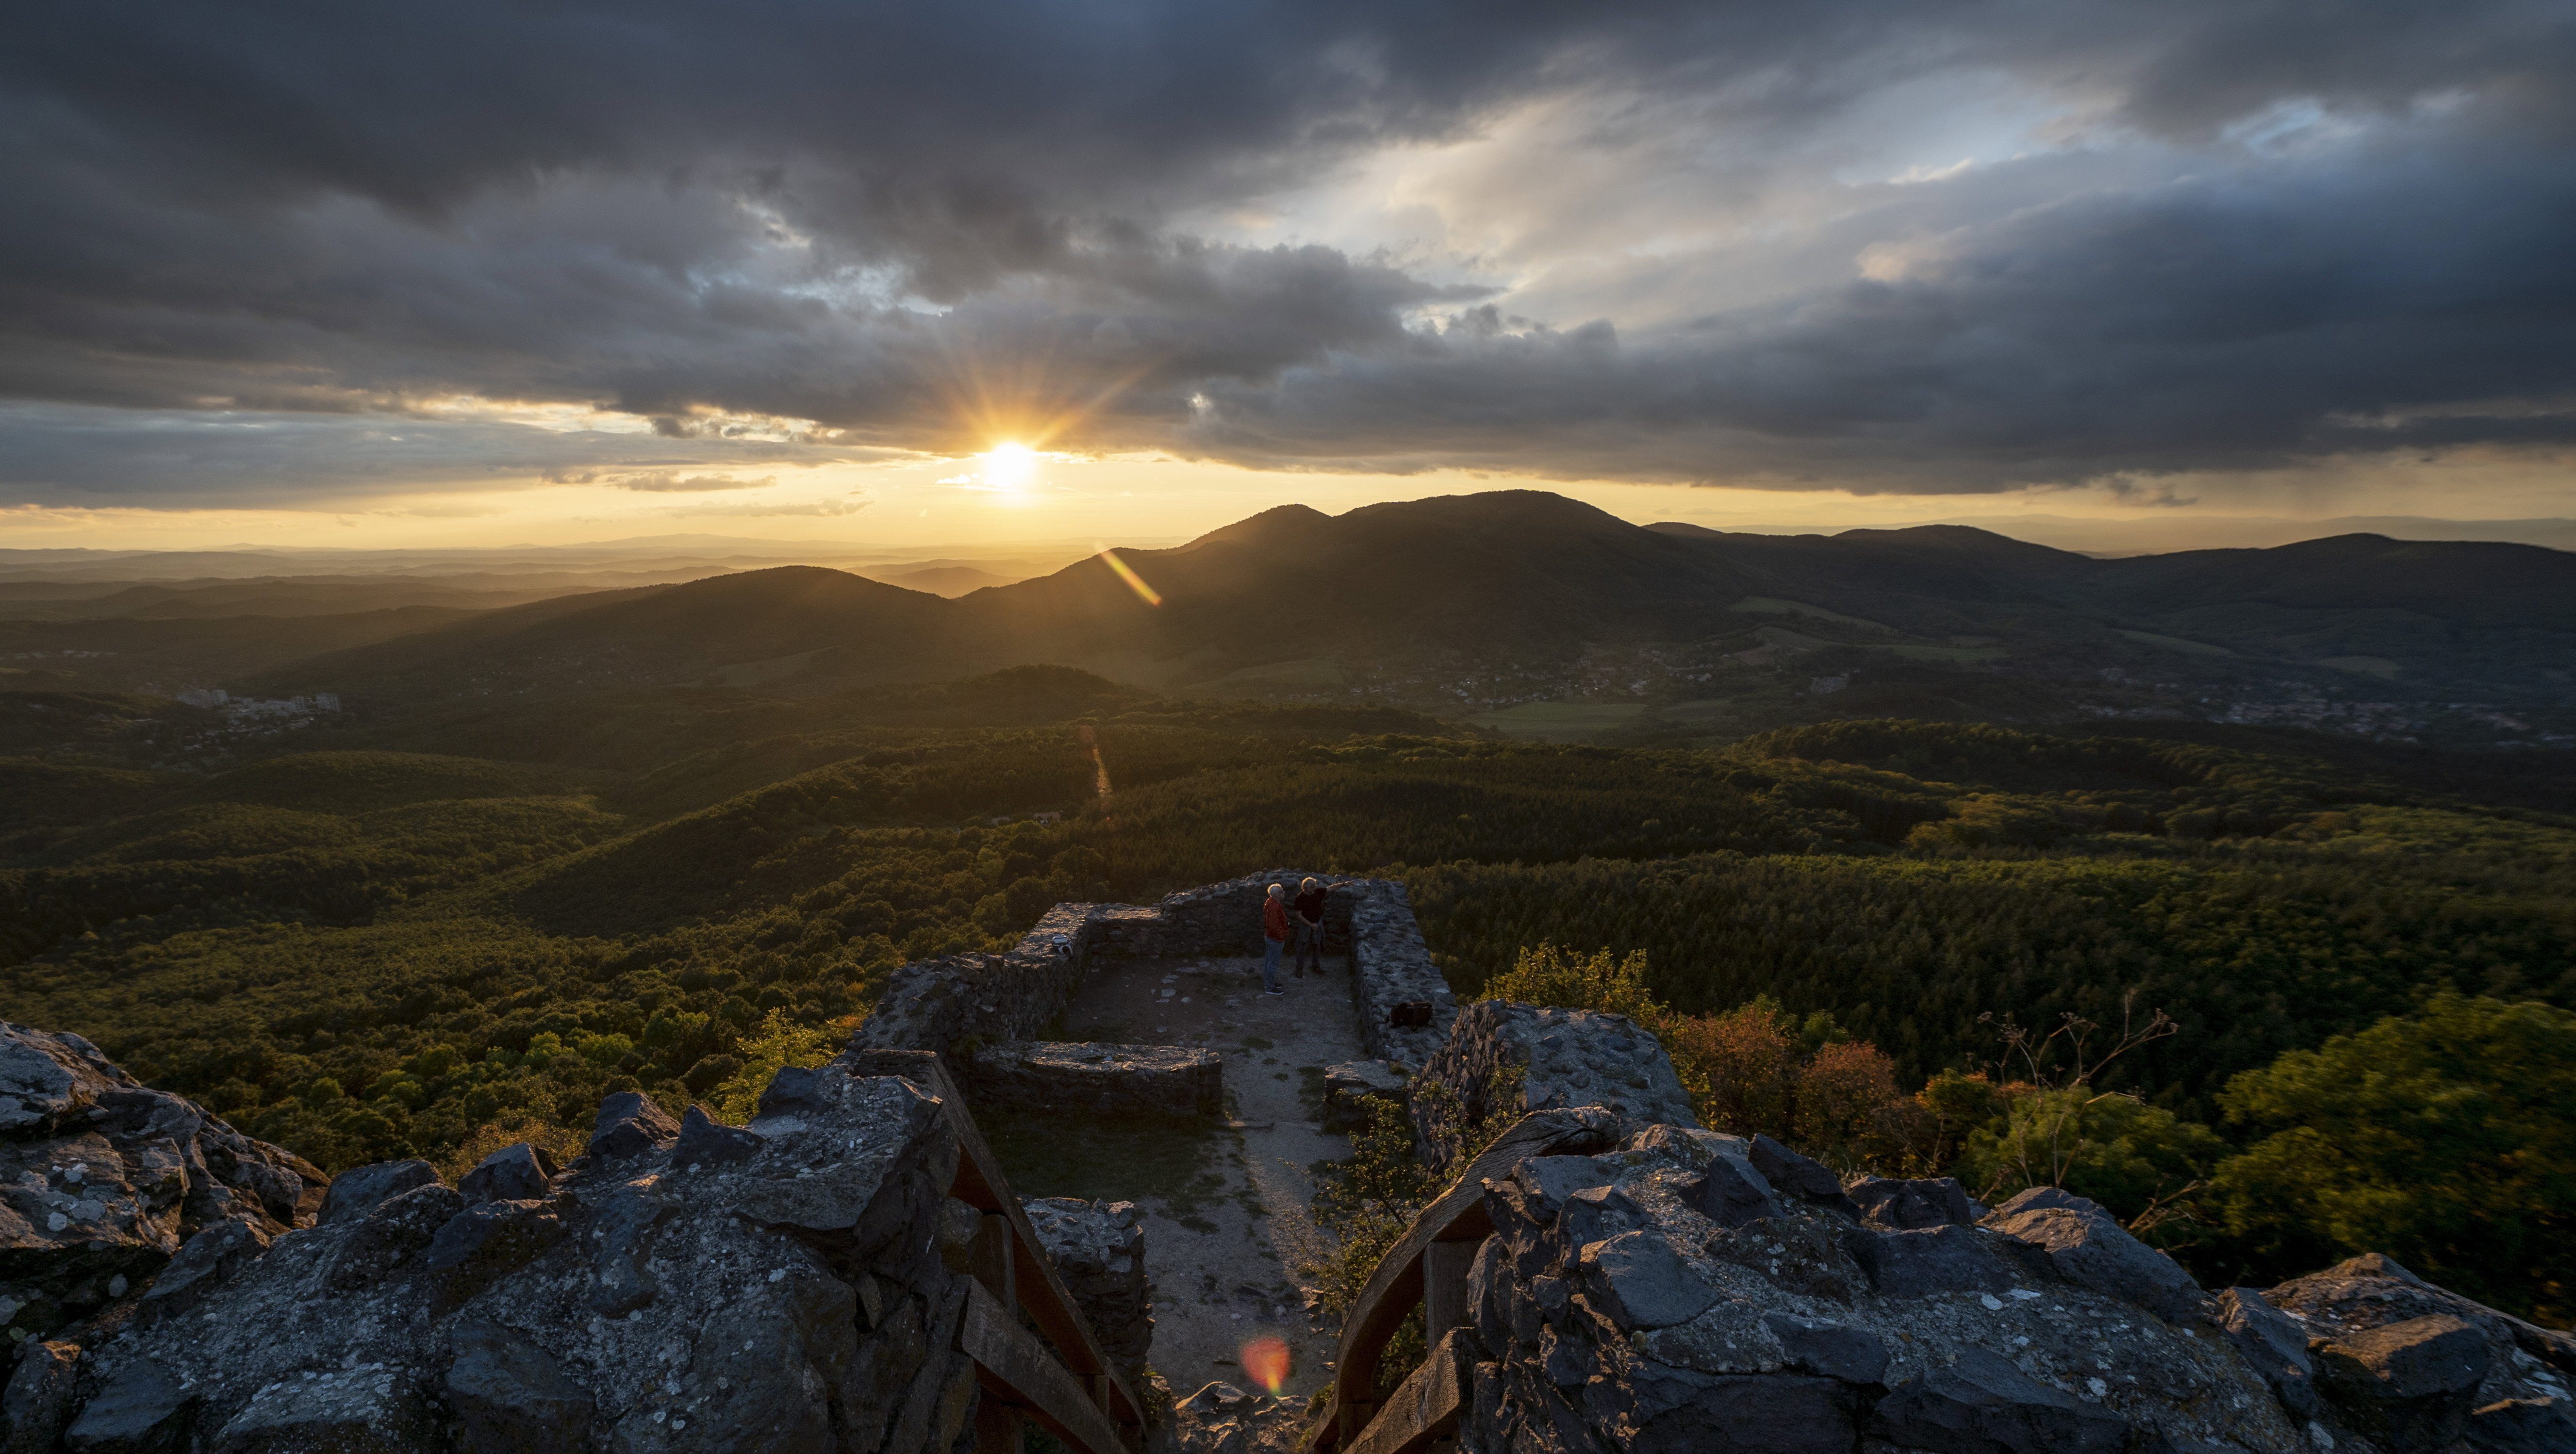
[502,271]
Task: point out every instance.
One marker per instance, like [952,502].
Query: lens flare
[1135,582]
[1265,1361]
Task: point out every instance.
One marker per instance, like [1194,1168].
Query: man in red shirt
[1274,936]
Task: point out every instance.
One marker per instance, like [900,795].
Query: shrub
[1741,1068]
[778,1043]
[1840,1095]
[2141,1162]
[1548,975]
[560,1142]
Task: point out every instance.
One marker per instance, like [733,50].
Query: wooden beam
[1427,1407]
[1456,1215]
[989,1257]
[981,1185]
[1444,1286]
[1023,1375]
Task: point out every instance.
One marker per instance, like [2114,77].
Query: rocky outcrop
[1696,1291]
[1065,1075]
[106,1184]
[1674,1295]
[793,1285]
[1501,1060]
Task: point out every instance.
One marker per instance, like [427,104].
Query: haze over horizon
[999,275]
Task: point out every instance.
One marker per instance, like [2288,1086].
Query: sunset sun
[1010,465]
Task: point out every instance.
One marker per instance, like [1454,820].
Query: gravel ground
[1224,1254]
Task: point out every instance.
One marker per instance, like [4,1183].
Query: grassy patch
[1122,1158]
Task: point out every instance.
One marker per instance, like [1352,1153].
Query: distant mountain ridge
[1517,574]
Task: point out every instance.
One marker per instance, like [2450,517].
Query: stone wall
[1391,966]
[1098,1248]
[1057,1075]
[932,1004]
[1500,1061]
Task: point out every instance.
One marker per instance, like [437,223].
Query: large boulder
[1502,1060]
[103,1180]
[2412,1384]
[1896,1204]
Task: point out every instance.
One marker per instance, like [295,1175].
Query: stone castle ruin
[850,1272]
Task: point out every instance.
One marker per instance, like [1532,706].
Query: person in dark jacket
[1309,913]
[1274,937]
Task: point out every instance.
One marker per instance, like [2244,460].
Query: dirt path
[1224,1246]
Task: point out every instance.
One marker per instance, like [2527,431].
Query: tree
[2441,1139]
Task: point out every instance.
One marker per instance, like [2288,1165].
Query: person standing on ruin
[1274,936]
[1310,927]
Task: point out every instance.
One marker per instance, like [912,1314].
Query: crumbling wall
[1098,1248]
[1391,967]
[932,1004]
[1076,1075]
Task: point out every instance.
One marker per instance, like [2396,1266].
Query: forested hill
[421,938]
[1444,599]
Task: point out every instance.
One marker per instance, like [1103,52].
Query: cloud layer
[256,248]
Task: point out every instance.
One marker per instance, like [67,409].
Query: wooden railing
[1428,1269]
[1070,1389]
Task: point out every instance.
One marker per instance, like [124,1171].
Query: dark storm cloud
[2212,324]
[908,224]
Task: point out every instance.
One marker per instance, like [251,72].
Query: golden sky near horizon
[1014,497]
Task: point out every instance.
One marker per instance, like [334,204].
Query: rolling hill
[1441,599]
